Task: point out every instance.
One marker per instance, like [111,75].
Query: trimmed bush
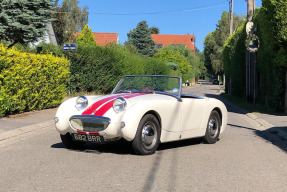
[31,82]
[233,57]
[271,65]
[99,68]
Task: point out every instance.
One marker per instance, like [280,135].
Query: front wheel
[213,128]
[70,143]
[147,136]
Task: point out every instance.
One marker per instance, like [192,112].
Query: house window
[179,45]
[192,40]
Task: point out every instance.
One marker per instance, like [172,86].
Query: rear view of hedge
[31,82]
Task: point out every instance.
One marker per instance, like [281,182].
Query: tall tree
[70,18]
[140,37]
[214,41]
[86,35]
[24,21]
[154,30]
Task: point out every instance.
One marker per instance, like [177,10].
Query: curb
[24,130]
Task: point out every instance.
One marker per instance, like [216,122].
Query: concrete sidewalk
[23,123]
[276,124]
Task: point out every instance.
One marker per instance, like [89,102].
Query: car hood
[99,105]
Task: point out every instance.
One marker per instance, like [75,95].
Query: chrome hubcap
[149,135]
[213,127]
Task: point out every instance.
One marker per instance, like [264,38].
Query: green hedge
[271,57]
[272,54]
[31,82]
[99,68]
[233,57]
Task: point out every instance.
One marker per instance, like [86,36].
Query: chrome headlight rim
[119,104]
[81,103]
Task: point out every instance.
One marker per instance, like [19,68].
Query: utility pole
[231,17]
[230,33]
[251,87]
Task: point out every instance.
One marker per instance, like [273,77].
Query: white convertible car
[144,109]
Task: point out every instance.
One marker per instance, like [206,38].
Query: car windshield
[149,84]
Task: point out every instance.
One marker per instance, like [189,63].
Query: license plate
[88,138]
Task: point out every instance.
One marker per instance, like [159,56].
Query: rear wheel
[213,128]
[147,136]
[70,143]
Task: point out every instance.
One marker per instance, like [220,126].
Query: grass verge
[250,107]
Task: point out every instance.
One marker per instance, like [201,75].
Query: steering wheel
[148,89]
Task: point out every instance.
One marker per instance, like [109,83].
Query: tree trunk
[286,92]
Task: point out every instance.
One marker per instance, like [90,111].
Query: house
[104,38]
[163,40]
[48,36]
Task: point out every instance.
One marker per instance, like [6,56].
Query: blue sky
[199,17]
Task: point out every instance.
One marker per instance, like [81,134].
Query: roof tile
[166,40]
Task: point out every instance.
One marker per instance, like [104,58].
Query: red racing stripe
[97,104]
[109,104]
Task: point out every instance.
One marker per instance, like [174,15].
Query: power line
[215,5]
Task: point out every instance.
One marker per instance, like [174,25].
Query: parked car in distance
[144,109]
[215,82]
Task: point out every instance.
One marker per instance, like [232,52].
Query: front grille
[89,123]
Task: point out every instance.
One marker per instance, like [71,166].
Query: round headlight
[119,105]
[81,102]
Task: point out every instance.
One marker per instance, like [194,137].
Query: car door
[191,113]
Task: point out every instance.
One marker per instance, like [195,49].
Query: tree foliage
[86,36]
[140,37]
[196,62]
[70,18]
[214,41]
[154,30]
[24,21]
[174,56]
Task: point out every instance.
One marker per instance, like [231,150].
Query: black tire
[70,143]
[213,128]
[147,136]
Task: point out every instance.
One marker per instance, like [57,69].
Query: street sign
[69,47]
[252,43]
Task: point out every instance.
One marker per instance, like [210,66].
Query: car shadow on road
[120,147]
[123,147]
[179,144]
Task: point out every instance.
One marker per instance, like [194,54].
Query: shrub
[271,56]
[99,68]
[233,57]
[31,82]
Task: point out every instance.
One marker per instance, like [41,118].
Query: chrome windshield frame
[178,96]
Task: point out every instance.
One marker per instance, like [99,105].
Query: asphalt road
[243,159]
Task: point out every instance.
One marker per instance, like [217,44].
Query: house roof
[104,38]
[166,40]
